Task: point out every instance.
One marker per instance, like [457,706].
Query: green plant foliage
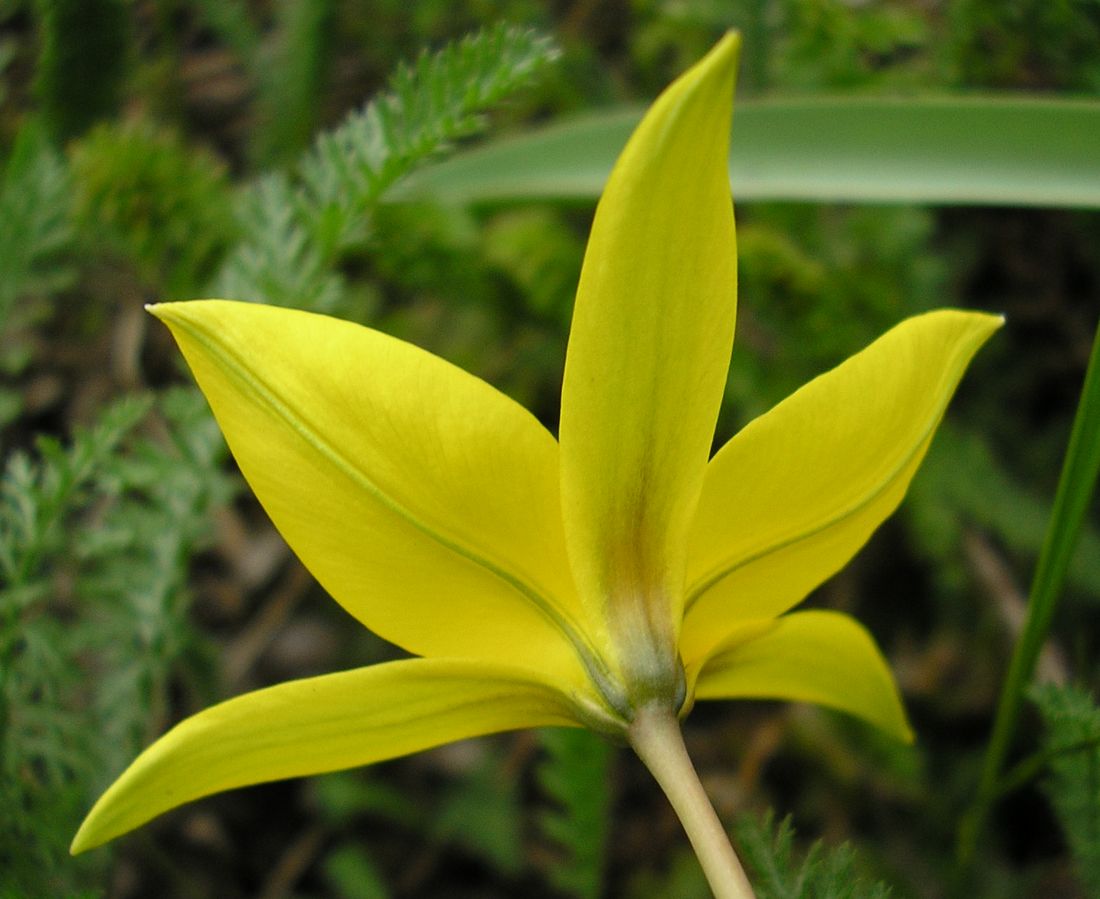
[292,77]
[489,795]
[460,289]
[352,874]
[95,542]
[1032,44]
[426,107]
[35,237]
[293,234]
[35,230]
[232,21]
[958,150]
[139,555]
[84,56]
[1072,743]
[43,747]
[825,283]
[277,262]
[480,814]
[1076,486]
[167,149]
[683,879]
[542,254]
[778,872]
[574,775]
[7,54]
[962,483]
[164,206]
[343,796]
[835,45]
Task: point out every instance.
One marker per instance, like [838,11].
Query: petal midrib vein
[234,364]
[723,571]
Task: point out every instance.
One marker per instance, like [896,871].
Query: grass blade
[1071,503]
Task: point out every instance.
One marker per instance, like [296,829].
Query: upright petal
[648,353]
[320,724]
[821,657]
[422,499]
[790,499]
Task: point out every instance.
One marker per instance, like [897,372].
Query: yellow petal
[422,499]
[648,352]
[821,657]
[793,496]
[320,724]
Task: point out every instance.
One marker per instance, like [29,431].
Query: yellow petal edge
[823,657]
[320,724]
[421,498]
[789,499]
[646,366]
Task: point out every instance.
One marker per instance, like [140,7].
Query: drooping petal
[648,352]
[818,656]
[794,495]
[422,499]
[320,724]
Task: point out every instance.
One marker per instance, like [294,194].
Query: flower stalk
[656,738]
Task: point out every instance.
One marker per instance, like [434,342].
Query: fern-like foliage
[1072,743]
[135,560]
[35,235]
[43,747]
[278,263]
[295,229]
[777,872]
[95,539]
[35,230]
[574,774]
[426,107]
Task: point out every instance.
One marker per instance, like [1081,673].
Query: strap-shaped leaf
[951,150]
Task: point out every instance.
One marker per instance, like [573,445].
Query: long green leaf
[974,150]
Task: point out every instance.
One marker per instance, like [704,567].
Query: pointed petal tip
[727,49]
[719,66]
[896,727]
[983,326]
[321,724]
[172,310]
[83,840]
[996,320]
[818,656]
[166,312]
[649,348]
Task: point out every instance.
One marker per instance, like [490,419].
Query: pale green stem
[655,736]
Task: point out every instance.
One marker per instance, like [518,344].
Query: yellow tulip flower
[606,579]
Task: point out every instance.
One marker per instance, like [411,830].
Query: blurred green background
[174,149]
